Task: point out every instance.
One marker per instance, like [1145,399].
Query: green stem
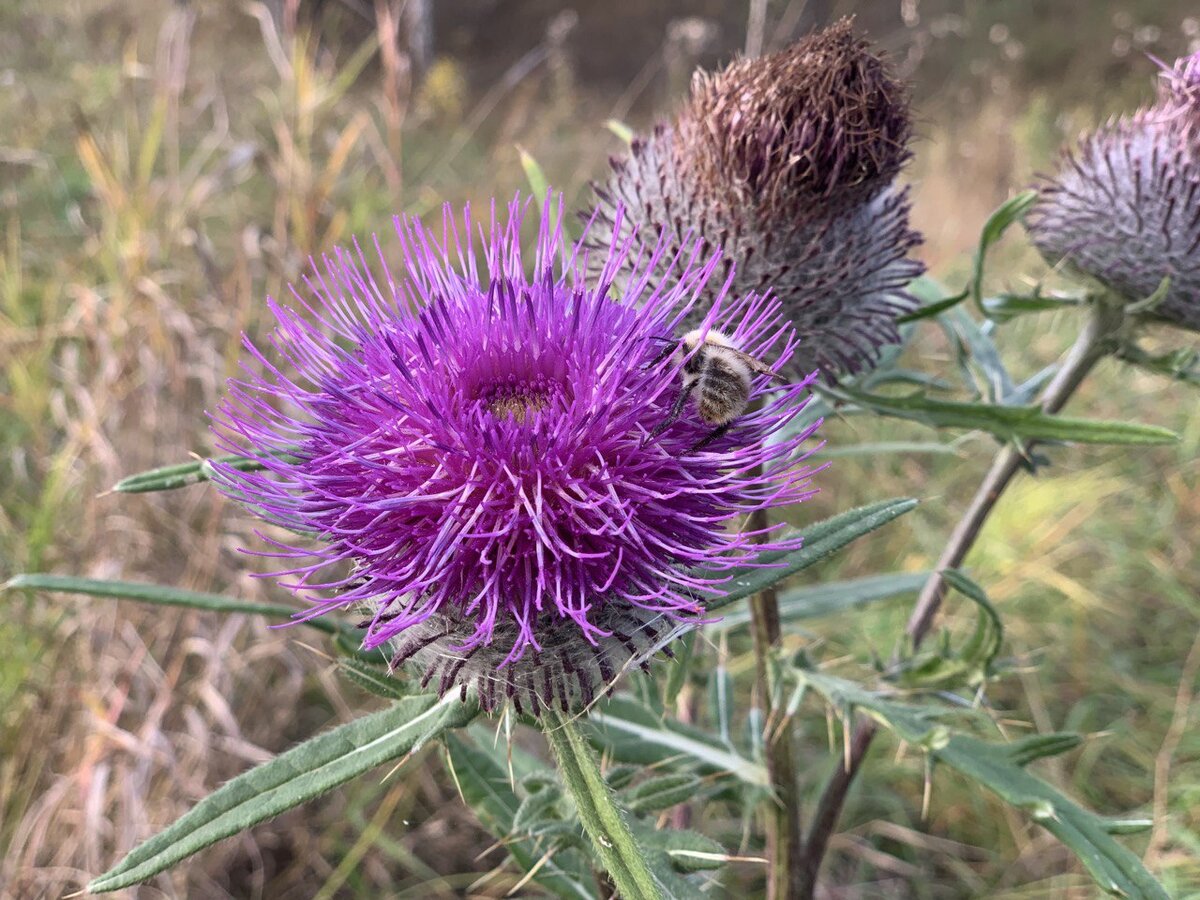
[783,825]
[623,859]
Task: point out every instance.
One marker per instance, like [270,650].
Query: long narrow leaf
[630,732]
[168,478]
[290,779]
[1010,422]
[161,595]
[821,540]
[833,597]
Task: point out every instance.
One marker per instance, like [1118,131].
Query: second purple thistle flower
[480,458]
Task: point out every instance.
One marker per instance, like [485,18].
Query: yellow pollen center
[518,401]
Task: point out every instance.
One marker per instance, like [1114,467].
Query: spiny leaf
[632,733]
[661,792]
[833,597]
[821,539]
[1000,768]
[158,594]
[373,679]
[480,769]
[998,222]
[1010,422]
[168,478]
[936,307]
[1115,868]
[290,779]
[971,664]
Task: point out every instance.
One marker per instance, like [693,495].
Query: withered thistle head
[786,163]
[814,122]
[1124,207]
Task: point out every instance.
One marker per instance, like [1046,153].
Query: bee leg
[667,351]
[711,436]
[676,411]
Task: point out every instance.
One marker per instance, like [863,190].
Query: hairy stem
[603,821]
[1095,341]
[784,829]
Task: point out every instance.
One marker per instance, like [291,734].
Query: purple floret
[472,452]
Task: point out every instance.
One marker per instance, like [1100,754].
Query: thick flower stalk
[1124,207]
[476,457]
[787,164]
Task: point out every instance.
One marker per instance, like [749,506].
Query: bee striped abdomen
[723,392]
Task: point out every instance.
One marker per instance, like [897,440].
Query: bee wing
[759,367]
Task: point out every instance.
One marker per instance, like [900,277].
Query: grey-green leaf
[168,478]
[1010,422]
[374,679]
[1000,768]
[661,792]
[533,174]
[821,540]
[159,594]
[998,222]
[833,597]
[481,771]
[1115,868]
[302,773]
[630,732]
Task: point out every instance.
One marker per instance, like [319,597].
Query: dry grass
[163,172]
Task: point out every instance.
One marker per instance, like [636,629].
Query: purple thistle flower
[787,163]
[479,448]
[1124,207]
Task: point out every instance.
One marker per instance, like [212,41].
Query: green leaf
[661,792]
[1004,307]
[688,851]
[998,222]
[945,668]
[373,679]
[159,594]
[481,771]
[678,671]
[168,478]
[833,597]
[1179,365]
[632,733]
[1148,304]
[538,185]
[1037,746]
[887,448]
[932,309]
[917,724]
[821,540]
[1010,422]
[614,844]
[1000,768]
[1115,868]
[302,773]
[620,129]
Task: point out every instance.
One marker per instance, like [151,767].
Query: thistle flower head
[1124,206]
[477,457]
[786,163]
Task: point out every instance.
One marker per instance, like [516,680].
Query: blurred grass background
[164,168]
